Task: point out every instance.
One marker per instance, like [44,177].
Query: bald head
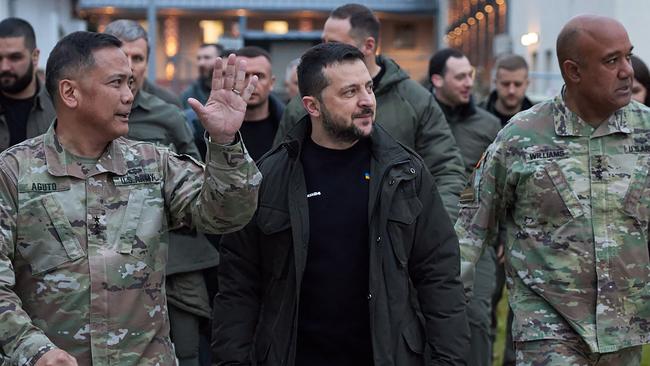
[594,54]
[580,30]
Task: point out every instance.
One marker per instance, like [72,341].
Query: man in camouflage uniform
[569,179]
[84,213]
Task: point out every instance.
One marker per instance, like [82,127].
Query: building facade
[530,28]
[285,28]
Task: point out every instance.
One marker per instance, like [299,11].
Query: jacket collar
[459,113]
[489,103]
[384,149]
[567,123]
[62,163]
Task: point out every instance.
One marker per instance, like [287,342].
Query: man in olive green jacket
[452,77]
[404,108]
[26,110]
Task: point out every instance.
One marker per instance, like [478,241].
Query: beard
[19,83]
[205,77]
[340,130]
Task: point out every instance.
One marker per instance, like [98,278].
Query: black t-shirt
[333,324]
[258,136]
[16,112]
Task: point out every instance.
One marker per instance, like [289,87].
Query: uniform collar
[567,123]
[62,163]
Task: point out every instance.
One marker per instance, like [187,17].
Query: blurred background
[411,30]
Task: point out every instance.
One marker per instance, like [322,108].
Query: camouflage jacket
[83,246]
[575,204]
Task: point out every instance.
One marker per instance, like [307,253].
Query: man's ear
[69,93]
[437,81]
[571,70]
[368,46]
[35,54]
[311,105]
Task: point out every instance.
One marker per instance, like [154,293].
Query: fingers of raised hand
[217,74]
[229,75]
[250,88]
[240,76]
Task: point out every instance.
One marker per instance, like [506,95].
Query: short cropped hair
[73,54]
[438,62]
[16,27]
[511,62]
[311,78]
[127,31]
[217,46]
[253,51]
[363,23]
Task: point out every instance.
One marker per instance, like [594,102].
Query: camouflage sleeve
[437,147]
[482,204]
[20,340]
[217,199]
[293,113]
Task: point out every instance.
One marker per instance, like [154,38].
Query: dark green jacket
[39,120]
[474,129]
[197,91]
[414,265]
[410,114]
[156,121]
[161,93]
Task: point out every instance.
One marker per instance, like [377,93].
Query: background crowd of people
[383,224]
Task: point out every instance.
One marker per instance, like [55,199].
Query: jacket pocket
[413,350]
[402,216]
[275,226]
[45,237]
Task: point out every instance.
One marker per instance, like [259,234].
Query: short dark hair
[311,79]
[73,54]
[642,75]
[363,23]
[511,62]
[438,62]
[16,27]
[216,46]
[127,30]
[253,51]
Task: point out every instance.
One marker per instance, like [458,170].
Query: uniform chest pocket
[142,226]
[637,198]
[552,195]
[45,238]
